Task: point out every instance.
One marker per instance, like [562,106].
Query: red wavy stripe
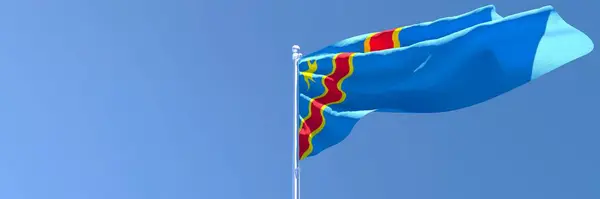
[331,94]
[382,40]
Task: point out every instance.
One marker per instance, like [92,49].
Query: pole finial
[296,55]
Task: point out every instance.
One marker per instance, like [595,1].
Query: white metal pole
[296,57]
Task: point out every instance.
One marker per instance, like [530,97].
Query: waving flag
[438,66]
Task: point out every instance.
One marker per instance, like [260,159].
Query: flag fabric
[437,66]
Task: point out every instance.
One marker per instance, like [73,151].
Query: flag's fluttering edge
[438,66]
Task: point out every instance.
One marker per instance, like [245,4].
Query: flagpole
[296,55]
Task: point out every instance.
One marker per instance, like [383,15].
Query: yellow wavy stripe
[339,87]
[396,37]
[368,42]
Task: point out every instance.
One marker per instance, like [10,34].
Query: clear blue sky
[182,99]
